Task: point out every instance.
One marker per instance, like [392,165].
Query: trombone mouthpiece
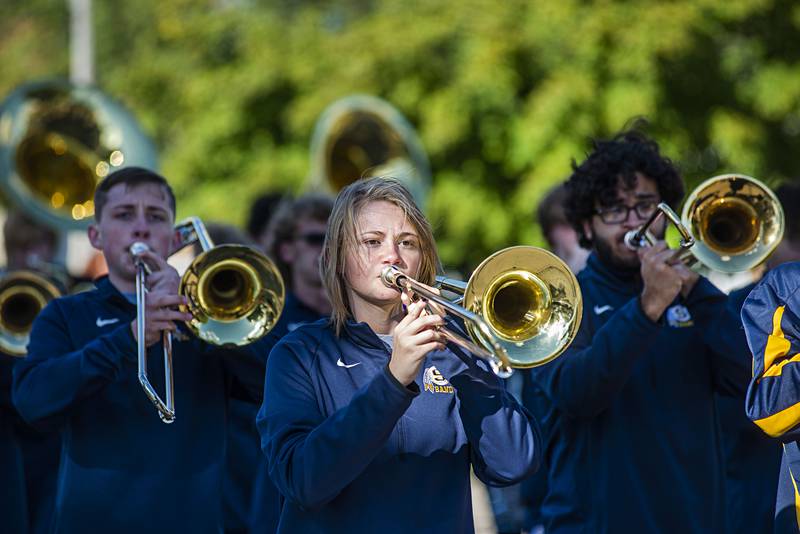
[392,277]
[138,248]
[632,241]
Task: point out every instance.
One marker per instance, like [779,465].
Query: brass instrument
[736,222]
[235,295]
[57,141]
[522,307]
[363,135]
[23,294]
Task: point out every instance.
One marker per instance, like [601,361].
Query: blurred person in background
[294,240]
[28,459]
[562,240]
[753,459]
[633,441]
[561,237]
[262,210]
[33,246]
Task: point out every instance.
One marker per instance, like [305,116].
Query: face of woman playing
[383,237]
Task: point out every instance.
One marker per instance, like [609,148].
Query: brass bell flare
[23,294]
[530,299]
[736,221]
[235,295]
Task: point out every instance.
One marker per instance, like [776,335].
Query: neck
[382,319]
[121,284]
[313,297]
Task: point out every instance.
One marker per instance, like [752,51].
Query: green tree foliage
[503,94]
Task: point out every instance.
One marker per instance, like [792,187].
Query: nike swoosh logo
[602,309]
[340,363]
[105,322]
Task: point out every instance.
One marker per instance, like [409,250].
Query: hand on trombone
[414,336]
[161,301]
[664,277]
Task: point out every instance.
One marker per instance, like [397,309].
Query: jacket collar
[362,334]
[612,276]
[108,292]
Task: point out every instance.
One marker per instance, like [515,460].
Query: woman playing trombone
[369,420]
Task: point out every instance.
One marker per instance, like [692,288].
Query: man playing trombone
[122,469]
[628,411]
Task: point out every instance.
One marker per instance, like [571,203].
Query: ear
[95,237]
[587,230]
[287,252]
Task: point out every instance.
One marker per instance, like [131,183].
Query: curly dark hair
[595,180]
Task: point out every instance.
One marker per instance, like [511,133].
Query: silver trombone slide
[166,410]
[494,353]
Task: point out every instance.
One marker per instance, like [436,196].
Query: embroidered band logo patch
[434,382]
[678,316]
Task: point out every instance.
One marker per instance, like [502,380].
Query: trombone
[235,295]
[522,307]
[736,221]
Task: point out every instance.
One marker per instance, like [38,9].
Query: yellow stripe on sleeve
[778,424]
[777,346]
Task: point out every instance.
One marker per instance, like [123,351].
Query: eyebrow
[133,206]
[380,233]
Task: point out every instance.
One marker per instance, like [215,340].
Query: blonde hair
[341,238]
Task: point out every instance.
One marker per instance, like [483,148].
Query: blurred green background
[503,94]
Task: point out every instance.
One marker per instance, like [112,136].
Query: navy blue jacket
[752,459]
[122,469]
[633,440]
[770,317]
[351,449]
[13,498]
[266,499]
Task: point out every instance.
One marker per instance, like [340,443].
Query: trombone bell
[517,305]
[531,301]
[235,295]
[738,222]
[23,294]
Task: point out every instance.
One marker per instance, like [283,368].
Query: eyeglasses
[312,239]
[618,214]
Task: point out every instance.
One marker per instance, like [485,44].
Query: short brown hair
[341,238]
[283,225]
[132,177]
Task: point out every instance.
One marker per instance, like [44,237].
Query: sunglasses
[313,239]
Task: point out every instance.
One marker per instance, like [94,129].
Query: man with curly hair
[632,432]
